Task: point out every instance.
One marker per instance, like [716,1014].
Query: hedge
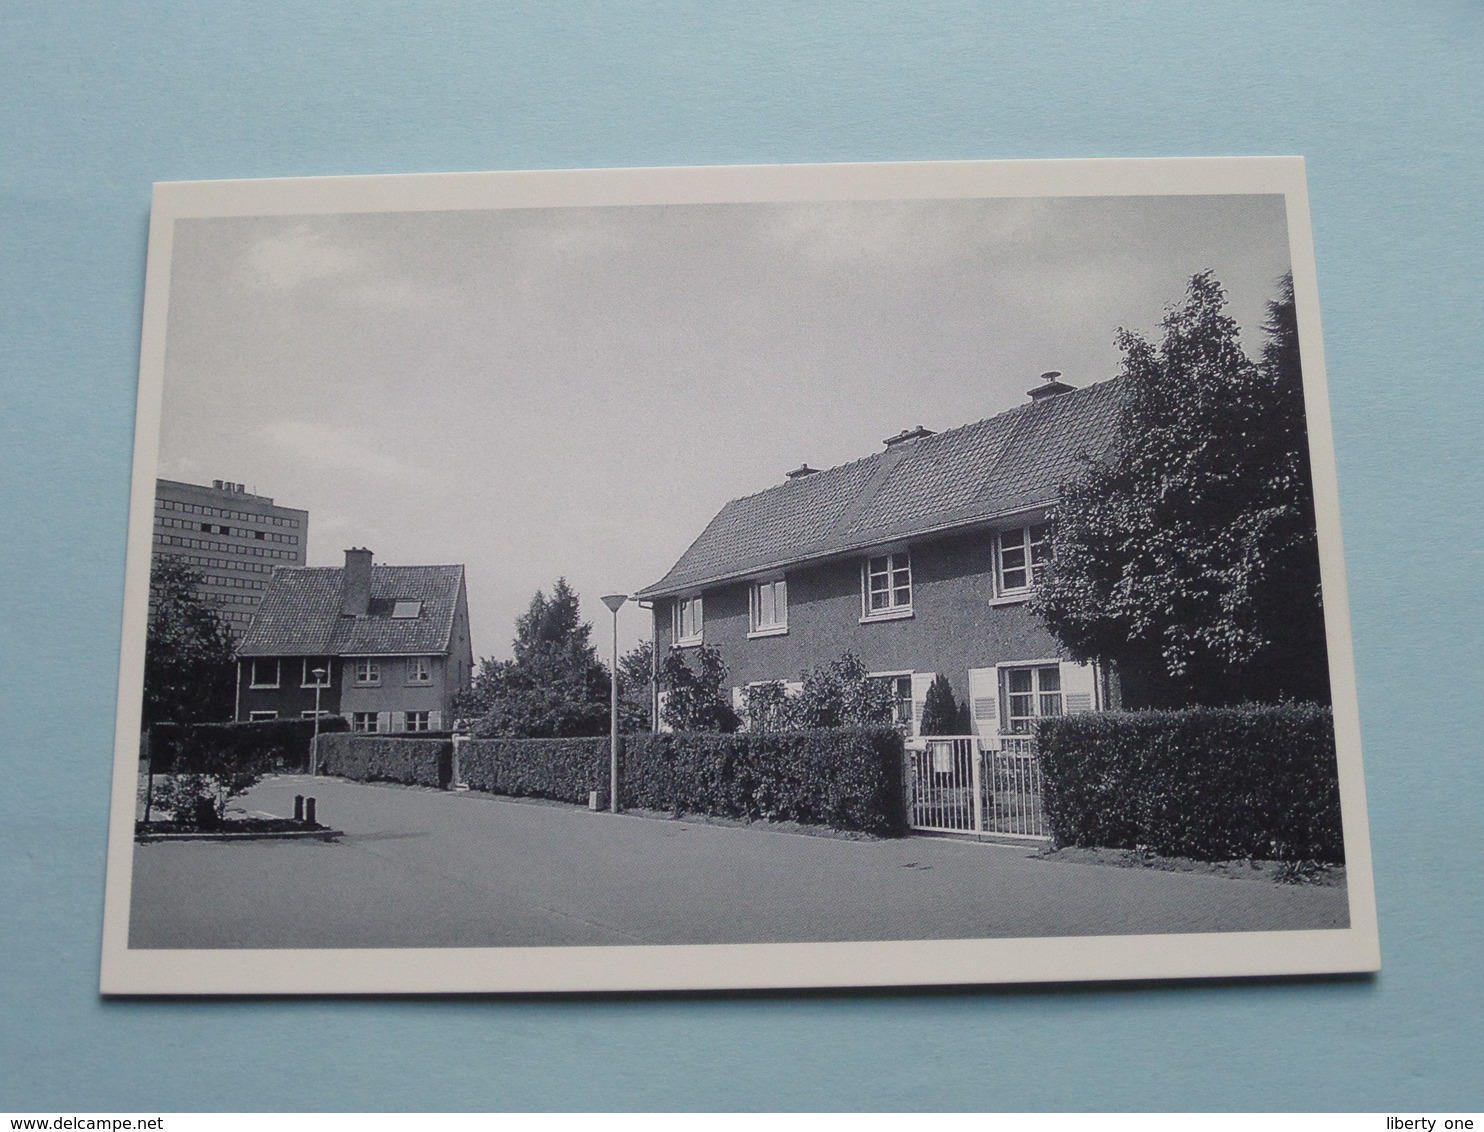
[201,748]
[379,758]
[565,769]
[849,778]
[1256,781]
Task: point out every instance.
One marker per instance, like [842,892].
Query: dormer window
[1021,556]
[688,620]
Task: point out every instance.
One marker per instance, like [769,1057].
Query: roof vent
[1050,386]
[801,471]
[907,434]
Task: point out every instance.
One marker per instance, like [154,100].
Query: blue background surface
[1385,100]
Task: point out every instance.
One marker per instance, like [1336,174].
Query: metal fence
[954,785]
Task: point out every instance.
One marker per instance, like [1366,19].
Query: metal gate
[953,786]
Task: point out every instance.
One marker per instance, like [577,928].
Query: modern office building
[232,538]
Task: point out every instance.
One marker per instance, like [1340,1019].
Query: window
[417,721]
[688,620]
[900,687]
[1031,694]
[363,721]
[404,610]
[419,670]
[368,671]
[311,714]
[311,666]
[769,607]
[886,584]
[264,672]
[1022,559]
[261,716]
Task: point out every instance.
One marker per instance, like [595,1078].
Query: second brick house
[387,647]
[919,559]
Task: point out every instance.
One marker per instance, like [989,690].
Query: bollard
[309,811]
[592,800]
[298,807]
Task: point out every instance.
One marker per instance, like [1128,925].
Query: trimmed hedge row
[205,748]
[376,758]
[848,779]
[564,769]
[1210,783]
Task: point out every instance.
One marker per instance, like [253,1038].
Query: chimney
[355,583]
[801,471]
[1050,386]
[217,484]
[907,434]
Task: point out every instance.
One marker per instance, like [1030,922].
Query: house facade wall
[290,699]
[956,623]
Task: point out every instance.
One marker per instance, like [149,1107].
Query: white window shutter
[659,720]
[921,682]
[1078,687]
[984,701]
[435,721]
[736,699]
[399,721]
[383,721]
[793,687]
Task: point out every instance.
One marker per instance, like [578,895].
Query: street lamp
[614,602]
[319,675]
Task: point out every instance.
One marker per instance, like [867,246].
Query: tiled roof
[300,613]
[1012,461]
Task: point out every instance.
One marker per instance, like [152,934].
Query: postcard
[751,577]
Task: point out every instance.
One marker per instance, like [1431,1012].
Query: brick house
[919,559]
[387,647]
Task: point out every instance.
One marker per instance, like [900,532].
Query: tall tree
[189,669]
[554,687]
[1188,558]
[695,699]
[636,688]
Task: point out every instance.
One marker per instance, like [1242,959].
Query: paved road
[424,868]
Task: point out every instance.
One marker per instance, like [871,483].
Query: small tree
[555,686]
[942,714]
[189,669]
[765,707]
[695,699]
[636,688]
[839,694]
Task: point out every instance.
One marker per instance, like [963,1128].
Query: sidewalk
[426,868]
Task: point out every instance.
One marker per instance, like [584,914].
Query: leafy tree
[189,669]
[695,699]
[554,687]
[635,688]
[1188,558]
[765,707]
[942,714]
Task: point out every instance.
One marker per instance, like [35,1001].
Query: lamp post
[614,602]
[319,675]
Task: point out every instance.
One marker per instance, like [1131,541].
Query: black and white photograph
[752,577]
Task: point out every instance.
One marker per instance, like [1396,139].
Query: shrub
[696,701]
[378,758]
[1210,783]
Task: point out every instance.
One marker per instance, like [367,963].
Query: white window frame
[252,672]
[309,667]
[698,624]
[369,717]
[1038,695]
[261,716]
[897,562]
[311,713]
[896,677]
[423,724]
[372,667]
[1032,568]
[419,671]
[756,603]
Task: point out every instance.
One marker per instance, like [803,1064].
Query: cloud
[306,256]
[341,449]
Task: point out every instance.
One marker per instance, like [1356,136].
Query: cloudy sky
[576,391]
